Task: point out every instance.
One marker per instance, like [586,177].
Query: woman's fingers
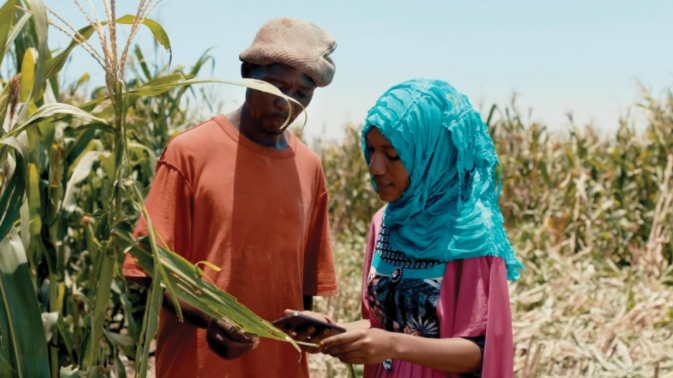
[351,358]
[343,338]
[348,347]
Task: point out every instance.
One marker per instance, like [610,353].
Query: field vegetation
[589,214]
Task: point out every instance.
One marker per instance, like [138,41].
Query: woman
[434,294]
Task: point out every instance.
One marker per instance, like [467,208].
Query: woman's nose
[376,165]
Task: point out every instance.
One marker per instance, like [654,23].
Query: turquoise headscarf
[450,209]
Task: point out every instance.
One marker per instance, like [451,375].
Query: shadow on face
[267,111]
[386,167]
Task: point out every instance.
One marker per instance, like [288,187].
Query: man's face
[270,111]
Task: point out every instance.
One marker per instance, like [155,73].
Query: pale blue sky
[559,56]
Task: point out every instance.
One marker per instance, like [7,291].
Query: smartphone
[298,322]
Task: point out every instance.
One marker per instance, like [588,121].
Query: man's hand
[307,335]
[227,341]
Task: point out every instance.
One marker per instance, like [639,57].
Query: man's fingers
[235,334]
[243,338]
[236,349]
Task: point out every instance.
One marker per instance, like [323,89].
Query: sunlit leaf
[197,292]
[34,200]
[27,75]
[13,192]
[6,22]
[143,63]
[157,30]
[4,105]
[55,64]
[50,110]
[82,170]
[18,26]
[41,24]
[20,319]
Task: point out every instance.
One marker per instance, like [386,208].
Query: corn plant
[70,196]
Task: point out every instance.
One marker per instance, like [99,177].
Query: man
[242,193]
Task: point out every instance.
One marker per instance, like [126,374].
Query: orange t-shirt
[258,213]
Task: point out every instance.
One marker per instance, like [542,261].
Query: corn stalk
[70,169]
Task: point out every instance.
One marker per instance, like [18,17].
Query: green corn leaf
[124,343]
[41,24]
[190,288]
[50,110]
[156,29]
[4,105]
[82,170]
[6,22]
[103,288]
[34,200]
[12,195]
[66,337]
[25,353]
[18,26]
[92,126]
[55,64]
[143,63]
[150,324]
[117,341]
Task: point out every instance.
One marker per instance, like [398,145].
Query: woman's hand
[362,347]
[227,341]
[307,335]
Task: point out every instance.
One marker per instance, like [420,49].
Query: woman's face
[390,175]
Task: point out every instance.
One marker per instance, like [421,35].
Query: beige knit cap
[296,43]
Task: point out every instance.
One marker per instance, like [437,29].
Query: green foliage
[74,175]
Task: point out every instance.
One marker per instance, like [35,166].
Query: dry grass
[591,220]
[572,317]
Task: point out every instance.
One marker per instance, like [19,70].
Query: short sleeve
[474,304]
[319,274]
[169,206]
[372,235]
[371,242]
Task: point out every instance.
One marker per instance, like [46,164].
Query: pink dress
[454,302]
